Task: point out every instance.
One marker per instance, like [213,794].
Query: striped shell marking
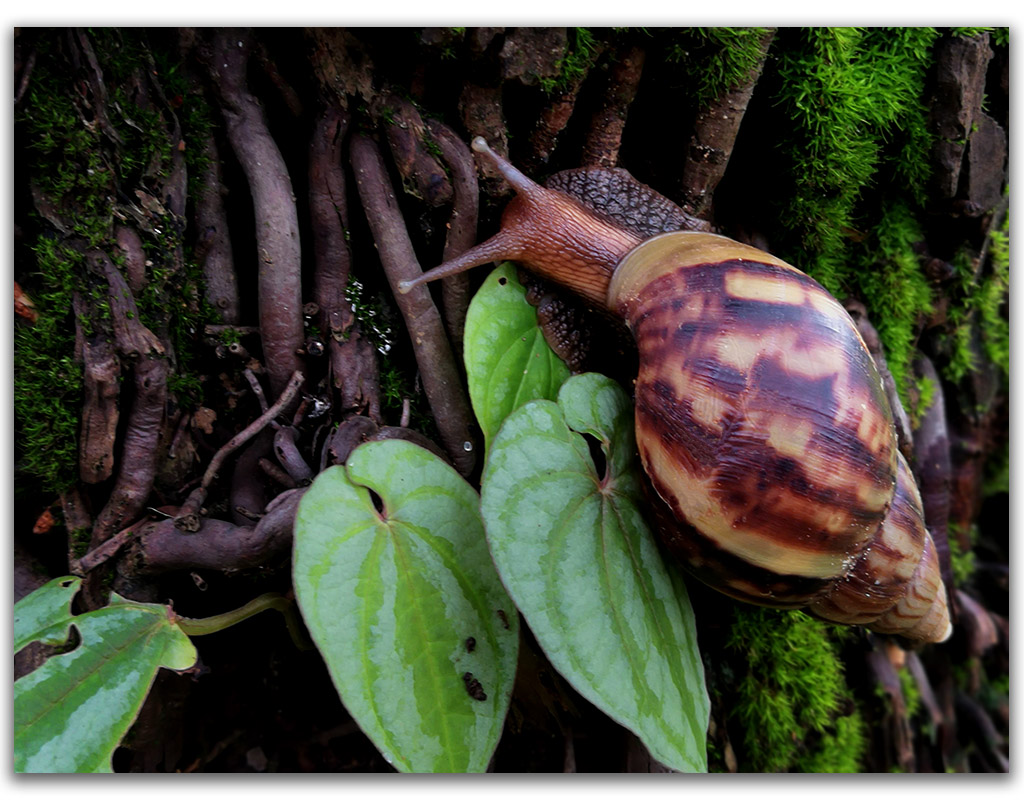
[896,585]
[760,415]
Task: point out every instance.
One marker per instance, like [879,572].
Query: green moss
[981,303]
[858,164]
[839,750]
[715,60]
[997,472]
[574,64]
[963,562]
[74,163]
[925,397]
[890,277]
[991,297]
[911,692]
[791,693]
[855,102]
[970,33]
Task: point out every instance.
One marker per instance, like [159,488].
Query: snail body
[761,419]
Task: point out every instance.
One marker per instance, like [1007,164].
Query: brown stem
[714,135]
[26,76]
[94,75]
[461,225]
[132,338]
[277,226]
[604,137]
[433,353]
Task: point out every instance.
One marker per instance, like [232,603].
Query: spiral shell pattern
[762,422]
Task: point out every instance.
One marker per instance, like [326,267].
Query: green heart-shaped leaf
[405,606]
[71,713]
[508,362]
[576,556]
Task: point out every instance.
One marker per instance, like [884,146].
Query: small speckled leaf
[508,361]
[583,568]
[404,606]
[71,713]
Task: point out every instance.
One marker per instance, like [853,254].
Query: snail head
[550,233]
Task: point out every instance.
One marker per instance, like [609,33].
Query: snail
[761,420]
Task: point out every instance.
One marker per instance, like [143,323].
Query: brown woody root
[462,225]
[140,451]
[482,115]
[161,547]
[422,176]
[213,248]
[713,139]
[277,225]
[933,470]
[555,116]
[355,430]
[351,357]
[604,137]
[441,380]
[100,411]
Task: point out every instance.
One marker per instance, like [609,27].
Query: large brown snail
[761,419]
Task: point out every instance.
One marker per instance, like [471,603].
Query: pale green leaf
[508,362]
[406,608]
[71,713]
[578,559]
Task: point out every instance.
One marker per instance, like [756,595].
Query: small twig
[188,517]
[257,389]
[406,410]
[300,412]
[103,553]
[236,441]
[241,330]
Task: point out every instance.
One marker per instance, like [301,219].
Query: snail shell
[761,419]
[762,422]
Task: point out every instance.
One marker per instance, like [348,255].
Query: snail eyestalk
[549,233]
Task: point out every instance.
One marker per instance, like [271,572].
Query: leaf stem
[270,600]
